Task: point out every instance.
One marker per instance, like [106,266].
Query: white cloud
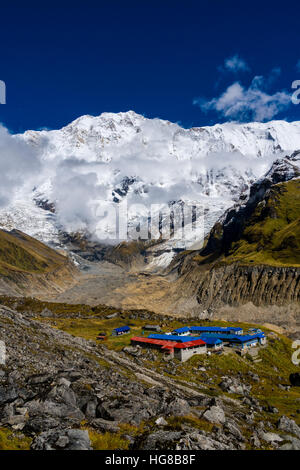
[235,64]
[248,104]
[19,166]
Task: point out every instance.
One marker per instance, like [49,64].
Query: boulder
[202,441]
[63,394]
[105,426]
[38,379]
[294,444]
[7,394]
[161,421]
[177,407]
[233,385]
[68,439]
[53,409]
[233,429]
[90,408]
[133,351]
[270,437]
[38,424]
[162,440]
[255,441]
[288,425]
[46,313]
[215,414]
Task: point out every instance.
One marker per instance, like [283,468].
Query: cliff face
[236,285]
[250,265]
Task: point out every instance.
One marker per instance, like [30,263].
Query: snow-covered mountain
[96,161]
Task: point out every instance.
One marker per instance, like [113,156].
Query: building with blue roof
[239,341]
[212,343]
[178,339]
[121,330]
[230,330]
[215,337]
[184,331]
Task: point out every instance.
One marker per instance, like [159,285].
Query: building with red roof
[180,350]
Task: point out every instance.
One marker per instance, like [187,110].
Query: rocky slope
[66,392]
[27,265]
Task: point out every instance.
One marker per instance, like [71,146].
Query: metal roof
[215,328]
[190,344]
[122,328]
[181,339]
[211,340]
[169,344]
[236,338]
[183,329]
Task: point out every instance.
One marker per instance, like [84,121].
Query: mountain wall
[236,284]
[113,158]
[28,267]
[249,267]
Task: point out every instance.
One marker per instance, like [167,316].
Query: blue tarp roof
[178,339]
[244,338]
[211,340]
[215,328]
[183,329]
[122,328]
[236,338]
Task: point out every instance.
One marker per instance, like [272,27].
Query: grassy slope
[21,253]
[272,234]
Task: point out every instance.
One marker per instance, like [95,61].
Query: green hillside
[264,233]
[21,253]
[272,233]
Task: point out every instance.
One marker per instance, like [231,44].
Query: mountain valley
[68,382]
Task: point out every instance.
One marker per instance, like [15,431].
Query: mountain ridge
[27,265]
[162,162]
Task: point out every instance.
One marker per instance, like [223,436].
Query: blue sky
[192,62]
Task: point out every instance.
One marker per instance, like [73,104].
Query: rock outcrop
[235,285]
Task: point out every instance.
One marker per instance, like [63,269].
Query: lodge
[186,330]
[214,344]
[121,330]
[185,342]
[181,350]
[168,337]
[239,341]
[183,346]
[152,328]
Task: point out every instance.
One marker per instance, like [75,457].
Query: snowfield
[104,160]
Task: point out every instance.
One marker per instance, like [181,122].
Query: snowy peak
[284,169]
[125,156]
[93,134]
